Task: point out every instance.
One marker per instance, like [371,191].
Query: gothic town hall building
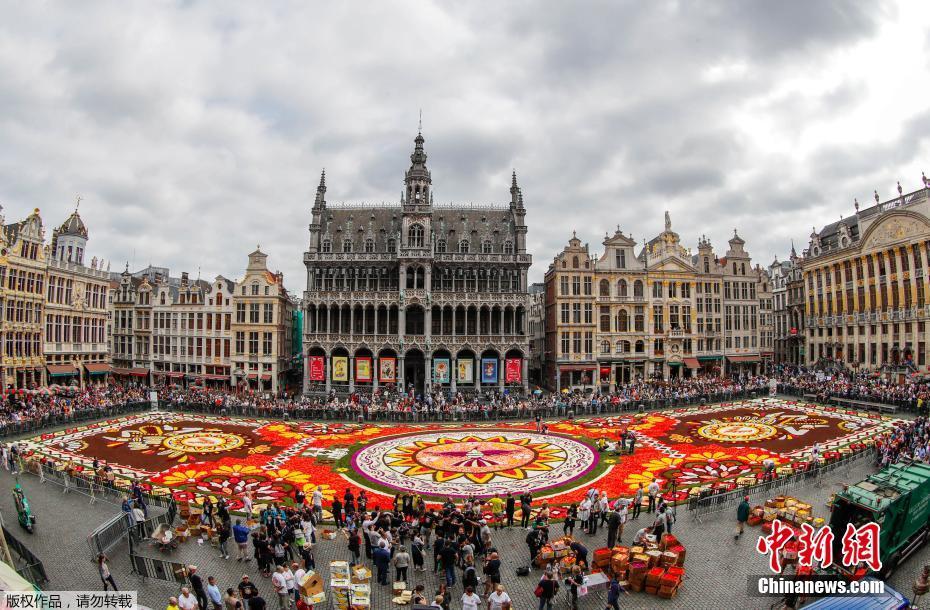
[416,295]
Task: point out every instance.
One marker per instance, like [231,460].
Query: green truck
[898,499]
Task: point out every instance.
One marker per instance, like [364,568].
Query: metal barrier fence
[790,390]
[32,568]
[51,421]
[715,503]
[155,567]
[109,534]
[326,412]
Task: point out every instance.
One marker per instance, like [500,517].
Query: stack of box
[620,561]
[341,588]
[402,596]
[360,597]
[653,578]
[602,559]
[637,576]
[653,557]
[669,583]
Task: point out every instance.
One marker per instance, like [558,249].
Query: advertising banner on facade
[513,370]
[340,368]
[317,366]
[466,371]
[387,370]
[489,370]
[363,369]
[441,370]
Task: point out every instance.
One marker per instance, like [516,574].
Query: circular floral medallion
[463,463]
[204,442]
[737,431]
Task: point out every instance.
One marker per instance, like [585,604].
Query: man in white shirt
[317,500]
[653,490]
[279,582]
[298,576]
[186,601]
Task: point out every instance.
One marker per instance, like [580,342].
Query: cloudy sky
[196,130]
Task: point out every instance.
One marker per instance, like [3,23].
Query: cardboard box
[398,587]
[339,570]
[651,590]
[310,584]
[316,598]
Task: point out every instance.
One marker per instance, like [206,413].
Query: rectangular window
[576,313]
[588,313]
[266,344]
[566,344]
[240,313]
[253,343]
[563,285]
[587,286]
[253,313]
[269,313]
[565,314]
[576,286]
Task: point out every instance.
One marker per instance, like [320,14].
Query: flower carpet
[202,455]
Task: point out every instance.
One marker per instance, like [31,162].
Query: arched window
[369,245]
[486,247]
[415,236]
[508,247]
[347,245]
[706,265]
[621,288]
[640,347]
[623,321]
[441,246]
[163,298]
[463,246]
[327,245]
[619,347]
[254,289]
[638,289]
[392,245]
[574,262]
[605,347]
[604,288]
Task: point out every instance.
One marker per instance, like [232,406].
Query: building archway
[415,370]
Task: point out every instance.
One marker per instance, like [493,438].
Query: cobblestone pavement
[716,566]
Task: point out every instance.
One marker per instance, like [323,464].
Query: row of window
[745,291]
[883,297]
[462,247]
[23,312]
[192,346]
[267,342]
[192,321]
[22,345]
[32,282]
[74,329]
[259,313]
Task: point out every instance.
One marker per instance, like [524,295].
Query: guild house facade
[416,295]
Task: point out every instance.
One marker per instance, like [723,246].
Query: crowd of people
[45,407]
[866,386]
[454,541]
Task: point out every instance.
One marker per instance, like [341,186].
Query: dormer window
[347,246]
[508,247]
[369,245]
[441,246]
[327,246]
[486,247]
[463,246]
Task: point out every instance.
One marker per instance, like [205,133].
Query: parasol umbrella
[537,391]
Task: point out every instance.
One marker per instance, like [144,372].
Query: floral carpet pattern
[203,455]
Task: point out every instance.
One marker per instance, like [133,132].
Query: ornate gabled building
[663,312]
[261,329]
[866,287]
[788,309]
[76,344]
[23,266]
[416,294]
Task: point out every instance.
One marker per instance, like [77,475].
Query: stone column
[428,375]
[525,373]
[453,372]
[374,371]
[351,374]
[500,373]
[327,362]
[400,374]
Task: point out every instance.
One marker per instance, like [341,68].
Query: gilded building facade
[23,277]
[416,294]
[76,343]
[865,283]
[261,328]
[662,312]
[788,309]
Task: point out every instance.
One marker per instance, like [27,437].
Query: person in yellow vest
[497,509]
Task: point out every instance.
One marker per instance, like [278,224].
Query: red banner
[513,370]
[317,368]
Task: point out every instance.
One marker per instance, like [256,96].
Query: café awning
[61,370]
